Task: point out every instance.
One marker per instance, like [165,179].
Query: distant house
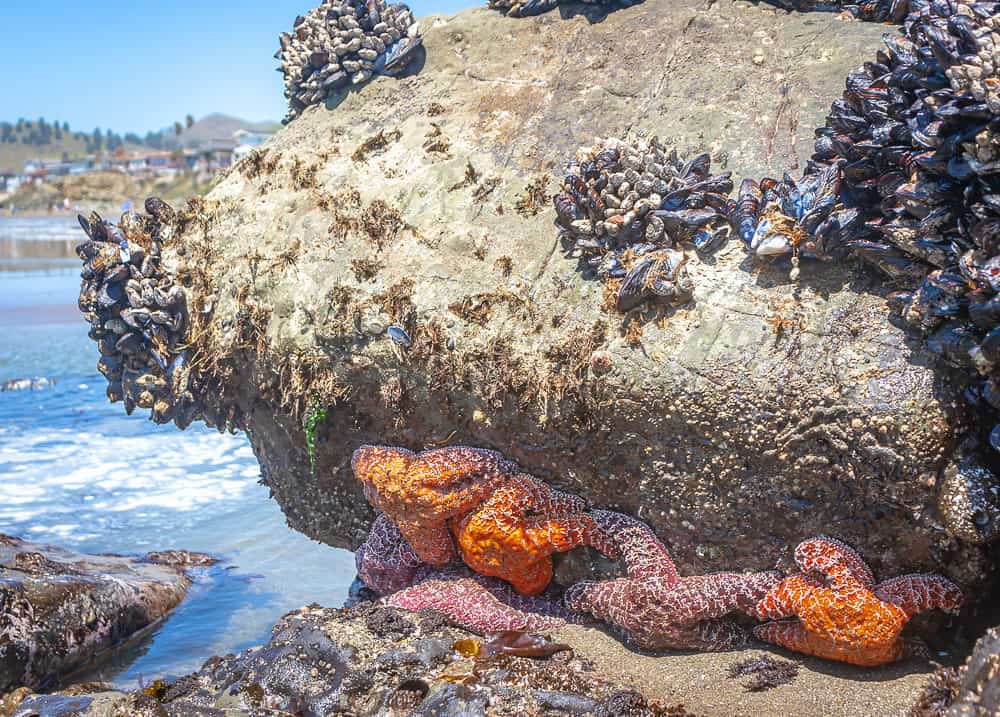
[42,169]
[215,155]
[244,137]
[247,141]
[9,181]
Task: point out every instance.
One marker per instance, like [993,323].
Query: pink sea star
[389,566]
[385,561]
[480,604]
[838,611]
[655,607]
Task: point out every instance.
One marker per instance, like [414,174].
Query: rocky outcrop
[979,690]
[60,610]
[386,270]
[372,660]
[972,690]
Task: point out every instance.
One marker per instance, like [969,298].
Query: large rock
[760,413]
[60,610]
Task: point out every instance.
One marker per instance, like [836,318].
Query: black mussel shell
[110,294]
[131,343]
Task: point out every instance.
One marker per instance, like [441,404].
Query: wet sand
[699,681]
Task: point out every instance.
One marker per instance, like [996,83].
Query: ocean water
[76,471]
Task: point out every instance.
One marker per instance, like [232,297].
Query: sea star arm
[608,600]
[783,599]
[386,562]
[790,634]
[919,592]
[370,461]
[645,556]
[710,636]
[547,520]
[712,596]
[433,544]
[534,493]
[469,604]
[836,561]
[454,466]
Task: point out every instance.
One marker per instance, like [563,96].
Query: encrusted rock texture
[370,660]
[366,661]
[759,413]
[61,610]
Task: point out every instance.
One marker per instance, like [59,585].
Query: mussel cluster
[344,42]
[628,207]
[137,314]
[801,217]
[872,10]
[526,8]
[906,175]
[916,135]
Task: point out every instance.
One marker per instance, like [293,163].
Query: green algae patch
[314,416]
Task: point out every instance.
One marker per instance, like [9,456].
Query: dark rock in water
[322,662]
[59,610]
[27,384]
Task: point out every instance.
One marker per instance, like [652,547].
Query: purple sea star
[385,561]
[655,607]
[388,565]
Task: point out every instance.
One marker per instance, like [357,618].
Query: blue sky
[141,65]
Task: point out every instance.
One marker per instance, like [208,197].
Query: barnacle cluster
[628,207]
[138,316]
[344,42]
[526,8]
[906,175]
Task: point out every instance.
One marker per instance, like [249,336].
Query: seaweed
[367,268]
[375,145]
[314,416]
[534,198]
[764,673]
[471,177]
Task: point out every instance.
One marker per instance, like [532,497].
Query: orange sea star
[387,564]
[838,611]
[421,492]
[655,607]
[513,533]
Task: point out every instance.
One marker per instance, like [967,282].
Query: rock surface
[59,610]
[364,662]
[379,661]
[979,689]
[760,413]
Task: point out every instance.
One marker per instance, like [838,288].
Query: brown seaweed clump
[627,209]
[344,42]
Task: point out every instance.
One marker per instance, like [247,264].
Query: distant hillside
[218,126]
[29,139]
[22,140]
